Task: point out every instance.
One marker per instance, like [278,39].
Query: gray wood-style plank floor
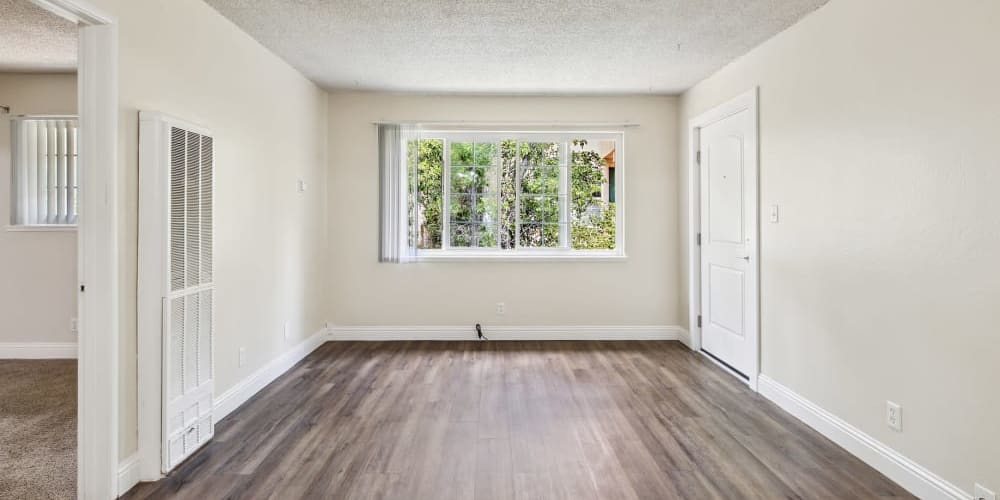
[505,420]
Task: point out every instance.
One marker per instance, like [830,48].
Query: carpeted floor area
[37,429]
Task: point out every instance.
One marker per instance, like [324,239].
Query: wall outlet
[301,185]
[894,416]
[501,308]
[982,493]
[74,325]
[243,356]
[287,330]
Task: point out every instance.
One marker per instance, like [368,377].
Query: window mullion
[564,196]
[446,195]
[498,162]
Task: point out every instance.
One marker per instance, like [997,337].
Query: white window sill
[41,228]
[474,256]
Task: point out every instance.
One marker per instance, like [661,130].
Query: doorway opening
[39,172]
[63,197]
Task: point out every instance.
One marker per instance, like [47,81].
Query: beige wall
[183,58]
[879,132]
[38,269]
[640,291]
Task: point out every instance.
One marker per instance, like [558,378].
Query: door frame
[747,101]
[97,247]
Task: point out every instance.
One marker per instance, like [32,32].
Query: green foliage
[475,195]
[592,220]
[430,168]
[597,233]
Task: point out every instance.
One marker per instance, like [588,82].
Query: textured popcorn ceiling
[34,39]
[517,46]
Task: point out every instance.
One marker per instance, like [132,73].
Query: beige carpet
[37,429]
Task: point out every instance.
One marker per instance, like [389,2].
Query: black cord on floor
[479,331]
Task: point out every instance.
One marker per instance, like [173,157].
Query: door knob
[747,258]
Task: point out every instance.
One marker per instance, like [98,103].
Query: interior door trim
[747,101]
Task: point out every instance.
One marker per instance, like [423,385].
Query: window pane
[473,235]
[539,235]
[473,208]
[508,194]
[466,154]
[539,209]
[539,153]
[473,180]
[426,204]
[592,204]
[540,180]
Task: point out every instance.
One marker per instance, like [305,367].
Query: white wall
[879,126]
[183,58]
[640,291]
[38,269]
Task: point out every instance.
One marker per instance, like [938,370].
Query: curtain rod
[507,123]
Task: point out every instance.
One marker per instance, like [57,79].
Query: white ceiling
[34,39]
[515,46]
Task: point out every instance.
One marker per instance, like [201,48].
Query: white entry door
[728,169]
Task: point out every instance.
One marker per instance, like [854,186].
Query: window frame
[449,253]
[15,146]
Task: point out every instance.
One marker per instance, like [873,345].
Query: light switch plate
[774,213]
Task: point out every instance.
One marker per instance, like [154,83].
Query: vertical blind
[45,177]
[394,187]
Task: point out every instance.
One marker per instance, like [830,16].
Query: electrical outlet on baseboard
[982,493]
[894,416]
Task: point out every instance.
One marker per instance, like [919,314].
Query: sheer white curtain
[395,243]
[44,180]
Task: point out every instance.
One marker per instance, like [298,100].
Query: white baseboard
[230,400]
[910,475]
[128,474]
[38,350]
[507,332]
[684,336]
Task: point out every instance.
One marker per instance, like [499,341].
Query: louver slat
[206,209]
[178,161]
[192,224]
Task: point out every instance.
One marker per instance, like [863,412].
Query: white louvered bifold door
[188,319]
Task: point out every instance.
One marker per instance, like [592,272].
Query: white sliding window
[44,171]
[525,194]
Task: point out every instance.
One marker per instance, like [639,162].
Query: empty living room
[472,249]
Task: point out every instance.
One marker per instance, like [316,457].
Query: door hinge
[699,321]
[698,238]
[697,157]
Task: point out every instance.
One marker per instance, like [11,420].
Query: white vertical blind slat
[21,198]
[31,169]
[51,163]
[61,133]
[71,174]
